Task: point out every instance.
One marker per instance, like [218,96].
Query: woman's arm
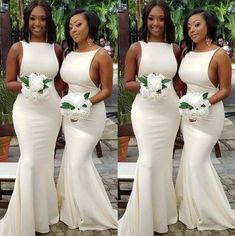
[131,68]
[224,72]
[104,69]
[12,68]
[60,85]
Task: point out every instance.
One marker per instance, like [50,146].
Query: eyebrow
[38,15]
[76,21]
[158,15]
[194,22]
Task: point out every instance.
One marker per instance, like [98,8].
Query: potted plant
[125,131]
[6,128]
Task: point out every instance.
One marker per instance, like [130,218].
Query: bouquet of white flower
[154,86]
[76,106]
[194,106]
[35,87]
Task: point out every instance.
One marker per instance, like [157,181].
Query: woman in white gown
[84,203]
[152,204]
[204,68]
[33,205]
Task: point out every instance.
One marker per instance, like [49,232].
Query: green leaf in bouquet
[164,86]
[84,105]
[143,80]
[66,105]
[46,81]
[45,86]
[86,95]
[25,80]
[164,81]
[40,91]
[185,105]
[205,95]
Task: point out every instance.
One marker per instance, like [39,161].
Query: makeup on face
[78,28]
[37,22]
[197,28]
[156,24]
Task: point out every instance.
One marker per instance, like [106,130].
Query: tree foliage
[106,10]
[224,9]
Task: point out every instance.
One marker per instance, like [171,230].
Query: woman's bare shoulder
[221,57]
[16,47]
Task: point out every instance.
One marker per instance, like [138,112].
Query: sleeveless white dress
[152,204]
[84,203]
[33,205]
[202,201]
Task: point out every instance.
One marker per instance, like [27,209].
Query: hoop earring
[74,46]
[90,41]
[208,41]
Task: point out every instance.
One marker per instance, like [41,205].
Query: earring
[29,37]
[192,46]
[165,36]
[46,37]
[74,46]
[208,41]
[90,41]
[147,36]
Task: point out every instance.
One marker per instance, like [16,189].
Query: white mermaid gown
[84,203]
[33,205]
[202,201]
[152,204]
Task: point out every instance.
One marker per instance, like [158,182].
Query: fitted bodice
[159,58]
[194,72]
[40,58]
[75,71]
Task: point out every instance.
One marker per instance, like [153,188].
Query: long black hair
[211,23]
[93,22]
[169,26]
[50,25]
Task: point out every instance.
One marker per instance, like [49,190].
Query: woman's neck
[204,47]
[37,40]
[85,47]
[156,40]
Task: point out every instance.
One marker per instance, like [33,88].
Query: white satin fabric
[33,205]
[202,201]
[84,203]
[152,204]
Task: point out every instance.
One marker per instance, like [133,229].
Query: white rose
[154,83]
[35,83]
[84,113]
[25,91]
[203,111]
[45,93]
[195,99]
[144,91]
